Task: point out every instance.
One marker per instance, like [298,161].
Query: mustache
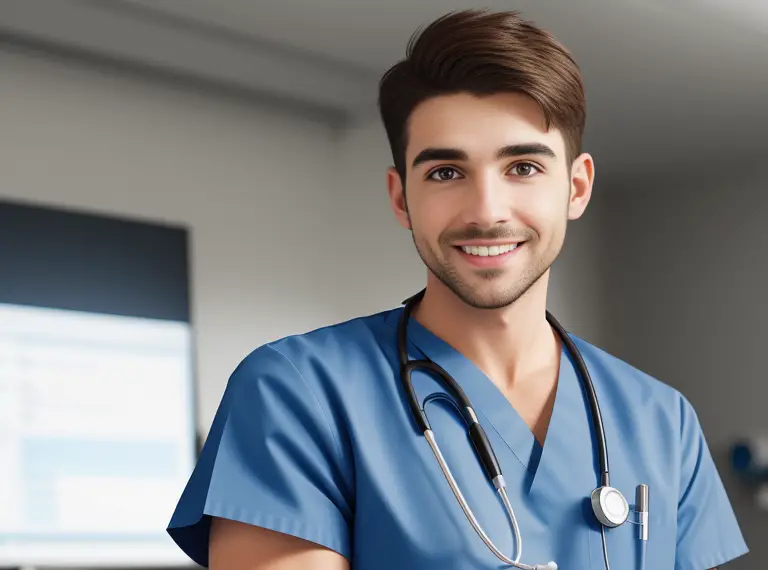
[495,233]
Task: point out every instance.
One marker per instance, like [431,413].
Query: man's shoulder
[329,344]
[620,377]
[346,334]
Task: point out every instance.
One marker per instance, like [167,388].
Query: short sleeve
[708,534]
[271,459]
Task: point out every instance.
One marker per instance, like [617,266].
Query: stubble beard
[478,295]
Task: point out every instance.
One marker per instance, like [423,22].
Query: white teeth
[491,251]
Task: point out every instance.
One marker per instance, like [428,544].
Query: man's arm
[707,530]
[239,546]
[272,460]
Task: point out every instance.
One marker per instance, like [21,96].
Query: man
[314,460]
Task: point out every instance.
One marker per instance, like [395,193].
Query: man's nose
[486,203]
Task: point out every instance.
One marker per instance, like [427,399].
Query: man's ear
[582,180]
[396,189]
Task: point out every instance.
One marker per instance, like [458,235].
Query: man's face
[488,193]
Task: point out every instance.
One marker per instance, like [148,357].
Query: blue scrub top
[313,438]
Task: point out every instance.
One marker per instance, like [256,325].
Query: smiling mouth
[489,251]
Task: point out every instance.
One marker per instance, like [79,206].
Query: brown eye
[524,169]
[444,174]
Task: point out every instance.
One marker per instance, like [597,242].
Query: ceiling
[668,83]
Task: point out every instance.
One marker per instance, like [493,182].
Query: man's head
[485,118]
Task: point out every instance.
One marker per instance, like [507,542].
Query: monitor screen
[97,436]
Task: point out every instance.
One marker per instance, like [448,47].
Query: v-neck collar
[491,404]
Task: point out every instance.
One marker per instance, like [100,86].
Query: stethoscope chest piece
[610,506]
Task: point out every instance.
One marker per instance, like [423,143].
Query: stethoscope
[609,505]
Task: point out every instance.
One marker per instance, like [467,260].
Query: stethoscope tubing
[477,434]
[407,367]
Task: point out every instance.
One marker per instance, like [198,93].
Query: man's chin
[487,295]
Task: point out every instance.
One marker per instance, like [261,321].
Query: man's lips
[494,254]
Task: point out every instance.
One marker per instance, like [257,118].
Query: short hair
[483,53]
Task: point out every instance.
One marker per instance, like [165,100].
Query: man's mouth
[489,250]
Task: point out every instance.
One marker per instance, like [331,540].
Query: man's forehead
[479,125]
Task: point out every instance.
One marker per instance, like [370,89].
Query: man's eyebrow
[430,154]
[509,151]
[525,149]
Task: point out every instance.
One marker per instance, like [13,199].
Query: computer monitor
[97,388]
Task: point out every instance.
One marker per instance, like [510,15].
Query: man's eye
[444,174]
[524,169]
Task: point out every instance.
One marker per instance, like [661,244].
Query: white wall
[686,281]
[251,184]
[380,265]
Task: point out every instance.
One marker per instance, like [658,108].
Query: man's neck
[510,345]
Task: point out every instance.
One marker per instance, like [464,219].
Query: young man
[315,459]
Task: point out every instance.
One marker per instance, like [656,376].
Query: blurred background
[184,180]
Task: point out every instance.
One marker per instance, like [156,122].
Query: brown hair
[482,53]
